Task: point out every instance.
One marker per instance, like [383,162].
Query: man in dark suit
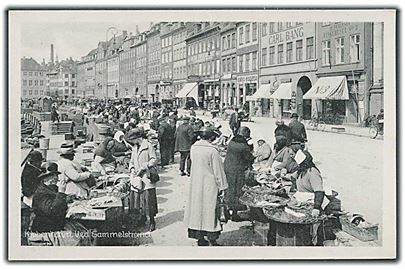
[184,139]
[165,137]
[234,122]
[298,131]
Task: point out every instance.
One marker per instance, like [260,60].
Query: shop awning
[186,90]
[262,92]
[194,94]
[283,91]
[329,88]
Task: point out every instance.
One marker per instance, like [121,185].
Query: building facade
[247,46]
[166,84]
[33,79]
[141,57]
[204,61]
[86,75]
[127,68]
[287,61]
[345,49]
[228,65]
[101,71]
[376,93]
[154,62]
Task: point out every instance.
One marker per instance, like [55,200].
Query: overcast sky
[70,39]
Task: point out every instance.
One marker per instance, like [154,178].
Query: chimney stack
[51,53]
[137,30]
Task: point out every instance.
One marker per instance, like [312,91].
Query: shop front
[211,94]
[246,86]
[228,91]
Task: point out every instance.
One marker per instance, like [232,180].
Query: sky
[70,39]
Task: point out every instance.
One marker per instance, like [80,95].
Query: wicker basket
[363,234]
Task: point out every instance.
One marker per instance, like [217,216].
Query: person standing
[282,131]
[29,176]
[207,182]
[234,122]
[165,138]
[143,180]
[237,160]
[184,139]
[54,114]
[172,141]
[298,131]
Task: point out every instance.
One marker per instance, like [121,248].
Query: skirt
[144,201]
[197,234]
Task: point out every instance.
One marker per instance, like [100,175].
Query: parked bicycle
[376,128]
[316,123]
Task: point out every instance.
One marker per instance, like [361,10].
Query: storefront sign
[247,79]
[286,36]
[340,29]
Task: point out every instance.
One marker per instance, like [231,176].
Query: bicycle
[375,129]
[316,124]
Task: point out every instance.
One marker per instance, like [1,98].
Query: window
[280,53]
[66,75]
[355,48]
[240,63]
[234,64]
[233,44]
[30,92]
[25,73]
[24,82]
[264,56]
[289,25]
[223,66]
[326,52]
[340,45]
[254,61]
[289,52]
[66,83]
[73,83]
[224,43]
[36,82]
[271,28]
[310,48]
[247,62]
[298,53]
[264,29]
[36,73]
[279,26]
[73,91]
[254,31]
[66,91]
[325,23]
[247,33]
[228,38]
[30,74]
[218,66]
[25,92]
[228,64]
[240,35]
[272,54]
[30,82]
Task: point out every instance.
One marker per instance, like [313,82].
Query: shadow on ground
[169,218]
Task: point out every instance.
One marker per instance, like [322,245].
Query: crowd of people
[142,131]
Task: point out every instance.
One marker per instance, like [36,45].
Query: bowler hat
[134,134]
[48,169]
[294,115]
[35,156]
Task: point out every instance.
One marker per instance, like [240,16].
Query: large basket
[363,234]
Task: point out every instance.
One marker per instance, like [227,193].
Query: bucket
[44,143]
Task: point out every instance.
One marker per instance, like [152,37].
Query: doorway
[304,106]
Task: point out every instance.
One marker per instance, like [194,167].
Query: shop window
[298,53]
[280,53]
[264,56]
[310,48]
[326,53]
[355,48]
[289,52]
[254,31]
[272,55]
[340,48]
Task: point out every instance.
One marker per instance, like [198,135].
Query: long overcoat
[143,157]
[207,179]
[184,138]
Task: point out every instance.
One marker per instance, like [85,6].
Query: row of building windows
[229,42]
[180,72]
[67,84]
[154,56]
[247,33]
[167,73]
[206,68]
[167,41]
[203,46]
[248,62]
[35,92]
[229,65]
[270,28]
[31,82]
[31,73]
[179,54]
[127,55]
[167,57]
[154,71]
[179,37]
[270,57]
[140,50]
[354,50]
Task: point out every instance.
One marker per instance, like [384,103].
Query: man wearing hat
[29,176]
[184,139]
[72,172]
[282,133]
[298,131]
[166,137]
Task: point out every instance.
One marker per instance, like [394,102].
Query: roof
[31,64]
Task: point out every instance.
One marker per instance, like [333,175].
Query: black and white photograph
[202,134]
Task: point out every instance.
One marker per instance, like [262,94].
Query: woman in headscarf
[104,160]
[281,158]
[121,149]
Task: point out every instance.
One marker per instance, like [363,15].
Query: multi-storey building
[141,57]
[154,62]
[127,68]
[180,56]
[86,75]
[203,63]
[344,72]
[166,83]
[67,81]
[247,46]
[287,68]
[228,64]
[33,79]
[375,98]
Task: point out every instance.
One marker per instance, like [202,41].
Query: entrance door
[304,105]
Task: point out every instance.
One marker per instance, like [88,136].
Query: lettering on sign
[340,29]
[247,79]
[287,35]
[322,89]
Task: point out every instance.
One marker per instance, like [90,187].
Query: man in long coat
[184,139]
[165,137]
[298,131]
[208,181]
